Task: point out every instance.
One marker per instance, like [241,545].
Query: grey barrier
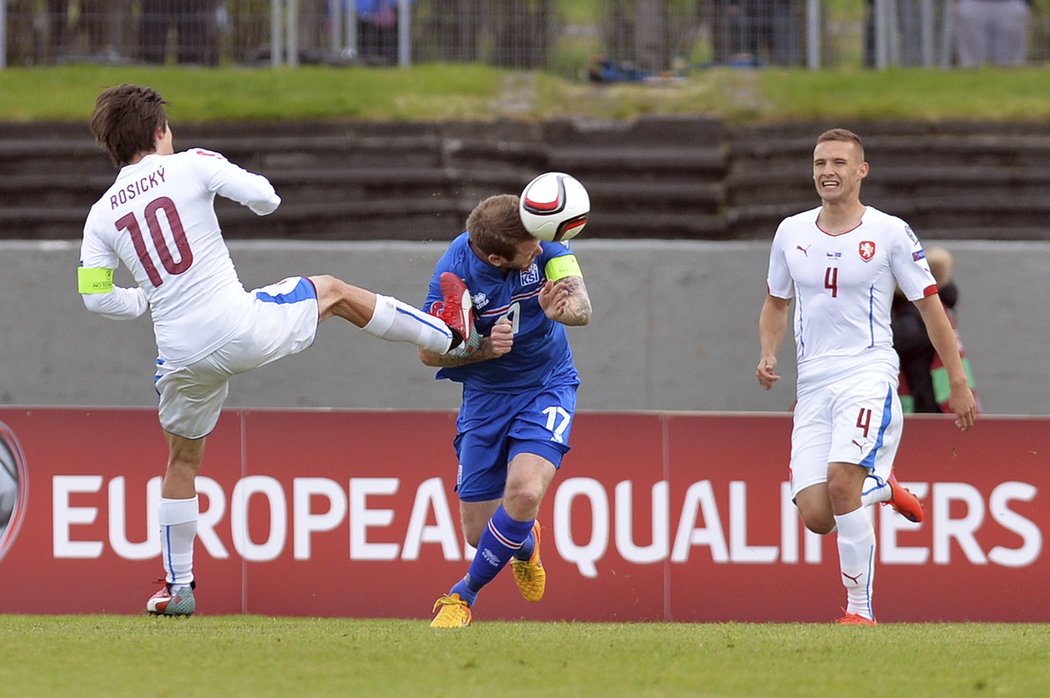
[675,328]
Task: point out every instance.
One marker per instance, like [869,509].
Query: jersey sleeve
[561,263]
[445,263]
[778,279]
[237,184]
[910,268]
[94,280]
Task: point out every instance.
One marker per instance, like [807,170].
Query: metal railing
[614,39]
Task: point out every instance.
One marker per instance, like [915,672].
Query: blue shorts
[494,427]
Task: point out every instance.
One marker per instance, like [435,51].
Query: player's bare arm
[772,324]
[942,336]
[566,301]
[498,343]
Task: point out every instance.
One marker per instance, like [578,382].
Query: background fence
[610,40]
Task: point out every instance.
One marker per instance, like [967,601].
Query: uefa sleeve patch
[94,280]
[561,267]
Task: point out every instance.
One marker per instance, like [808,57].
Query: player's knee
[327,287]
[818,519]
[820,525]
[523,501]
[843,494]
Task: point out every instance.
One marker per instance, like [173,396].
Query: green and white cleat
[173,600]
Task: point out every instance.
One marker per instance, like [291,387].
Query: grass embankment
[473,92]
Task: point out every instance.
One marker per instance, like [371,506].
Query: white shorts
[283,321]
[854,420]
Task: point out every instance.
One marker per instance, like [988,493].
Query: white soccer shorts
[854,420]
[283,321]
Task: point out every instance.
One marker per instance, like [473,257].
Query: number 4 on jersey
[831,281]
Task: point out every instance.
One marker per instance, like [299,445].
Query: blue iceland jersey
[541,354]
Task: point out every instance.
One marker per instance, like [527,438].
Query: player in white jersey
[158,220]
[841,263]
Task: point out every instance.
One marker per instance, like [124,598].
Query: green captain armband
[560,267]
[94,280]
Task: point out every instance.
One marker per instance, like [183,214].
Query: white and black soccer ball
[554,207]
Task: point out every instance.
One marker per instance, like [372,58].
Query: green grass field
[436,92]
[252,656]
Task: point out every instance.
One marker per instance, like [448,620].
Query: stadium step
[659,177]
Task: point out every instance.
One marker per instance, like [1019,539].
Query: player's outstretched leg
[903,501]
[173,600]
[452,612]
[385,317]
[529,574]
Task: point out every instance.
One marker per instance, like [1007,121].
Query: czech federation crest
[867,250]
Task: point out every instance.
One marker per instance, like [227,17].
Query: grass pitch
[258,656]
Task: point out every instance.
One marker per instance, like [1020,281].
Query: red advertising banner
[674,516]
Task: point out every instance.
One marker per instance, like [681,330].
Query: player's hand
[501,339]
[964,405]
[553,298]
[767,372]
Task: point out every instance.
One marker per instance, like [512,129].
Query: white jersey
[843,288]
[158,218]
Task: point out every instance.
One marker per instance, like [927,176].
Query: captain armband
[561,267]
[94,280]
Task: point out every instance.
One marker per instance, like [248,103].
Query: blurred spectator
[923,378]
[992,32]
[757,32]
[191,20]
[31,35]
[907,22]
[377,31]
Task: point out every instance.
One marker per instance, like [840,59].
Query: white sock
[399,322]
[178,529]
[874,491]
[856,542]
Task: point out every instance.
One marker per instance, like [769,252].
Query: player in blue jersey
[519,392]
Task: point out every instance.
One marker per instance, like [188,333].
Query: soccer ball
[554,207]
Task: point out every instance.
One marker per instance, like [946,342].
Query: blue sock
[525,551]
[500,540]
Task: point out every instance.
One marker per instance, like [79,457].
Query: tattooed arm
[566,301]
[498,343]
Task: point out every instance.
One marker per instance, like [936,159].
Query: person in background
[992,32]
[158,220]
[519,392]
[840,263]
[377,31]
[192,22]
[923,386]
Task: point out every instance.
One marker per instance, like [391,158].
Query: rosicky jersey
[843,288]
[158,219]
[540,355]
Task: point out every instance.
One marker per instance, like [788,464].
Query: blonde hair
[941,264]
[843,135]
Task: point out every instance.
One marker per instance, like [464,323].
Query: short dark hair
[125,121]
[495,226]
[844,135]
